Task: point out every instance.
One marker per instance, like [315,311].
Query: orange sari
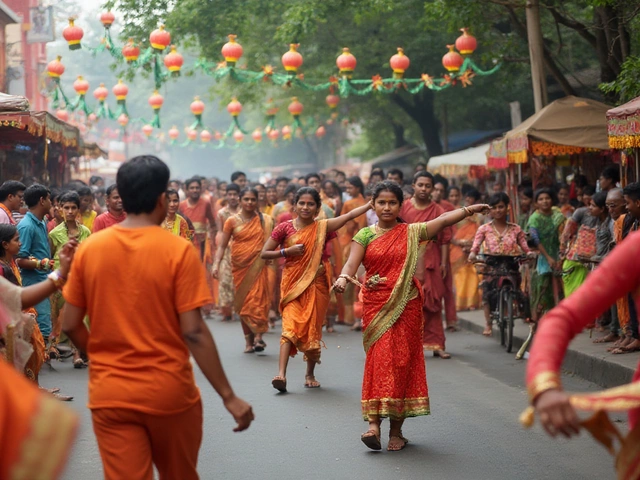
[251,276]
[622,304]
[465,277]
[37,429]
[305,292]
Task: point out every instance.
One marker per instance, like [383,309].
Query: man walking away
[145,405]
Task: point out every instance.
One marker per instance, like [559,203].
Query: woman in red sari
[617,276]
[253,278]
[305,280]
[395,381]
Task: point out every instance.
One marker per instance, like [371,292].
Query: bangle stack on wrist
[283,253]
[57,279]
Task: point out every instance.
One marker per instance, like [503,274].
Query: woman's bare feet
[442,354]
[396,442]
[311,382]
[634,346]
[611,337]
[623,342]
[487,331]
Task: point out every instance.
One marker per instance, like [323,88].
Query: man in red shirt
[438,194]
[198,209]
[422,209]
[115,211]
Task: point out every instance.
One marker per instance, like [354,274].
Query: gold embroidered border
[541,383]
[311,269]
[401,294]
[395,408]
[622,398]
[45,450]
[432,347]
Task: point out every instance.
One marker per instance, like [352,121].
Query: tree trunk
[421,110]
[398,132]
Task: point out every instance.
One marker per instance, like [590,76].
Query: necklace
[382,231]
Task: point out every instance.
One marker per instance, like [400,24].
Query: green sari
[547,228]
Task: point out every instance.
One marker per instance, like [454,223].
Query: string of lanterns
[461,69]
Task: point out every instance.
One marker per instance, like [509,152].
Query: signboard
[41,22]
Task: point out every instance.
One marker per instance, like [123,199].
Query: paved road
[473,432]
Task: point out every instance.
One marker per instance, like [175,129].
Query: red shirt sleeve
[98,224]
[280,233]
[617,276]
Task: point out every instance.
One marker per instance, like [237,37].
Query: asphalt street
[472,433]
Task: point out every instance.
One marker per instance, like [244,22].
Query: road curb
[593,368]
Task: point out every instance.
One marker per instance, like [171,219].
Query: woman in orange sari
[253,278]
[465,277]
[305,280]
[355,189]
[395,380]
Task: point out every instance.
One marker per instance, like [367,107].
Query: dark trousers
[633,319]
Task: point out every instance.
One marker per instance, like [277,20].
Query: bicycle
[505,275]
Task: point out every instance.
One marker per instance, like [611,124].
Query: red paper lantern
[55,68]
[147,130]
[257,135]
[466,43]
[160,39]
[107,19]
[295,107]
[123,120]
[130,52]
[156,100]
[333,100]
[101,93]
[286,132]
[120,90]
[73,34]
[321,131]
[174,133]
[346,63]
[238,136]
[292,60]
[173,61]
[192,135]
[399,63]
[452,61]
[92,117]
[63,115]
[232,51]
[234,108]
[274,133]
[197,106]
[81,86]
[271,108]
[205,136]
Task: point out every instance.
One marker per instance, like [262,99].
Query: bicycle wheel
[509,320]
[502,312]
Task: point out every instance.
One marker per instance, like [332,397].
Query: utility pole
[536,54]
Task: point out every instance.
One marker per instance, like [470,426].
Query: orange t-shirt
[134,282]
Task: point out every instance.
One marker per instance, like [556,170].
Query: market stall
[623,130]
[567,136]
[36,145]
[468,163]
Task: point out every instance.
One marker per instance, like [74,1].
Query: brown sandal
[401,438]
[279,383]
[311,382]
[371,440]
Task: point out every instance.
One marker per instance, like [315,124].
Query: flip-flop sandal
[443,355]
[311,383]
[371,441]
[404,444]
[79,363]
[50,390]
[250,350]
[63,398]
[279,384]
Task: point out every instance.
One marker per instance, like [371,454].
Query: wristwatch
[57,279]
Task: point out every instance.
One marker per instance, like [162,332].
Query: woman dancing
[305,280]
[253,278]
[395,381]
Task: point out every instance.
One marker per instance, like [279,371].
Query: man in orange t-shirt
[145,318]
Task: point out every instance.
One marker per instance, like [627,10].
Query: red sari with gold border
[617,276]
[395,380]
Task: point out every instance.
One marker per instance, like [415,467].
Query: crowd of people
[392,258]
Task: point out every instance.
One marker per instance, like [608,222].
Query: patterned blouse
[511,242]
